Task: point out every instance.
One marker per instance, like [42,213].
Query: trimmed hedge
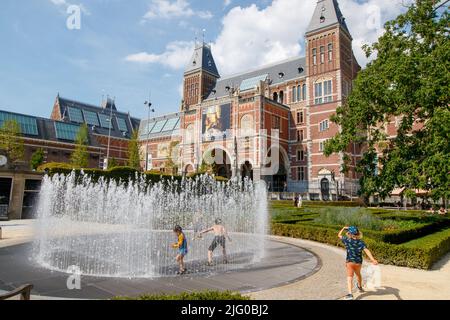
[205,295]
[350,204]
[124,174]
[420,253]
[390,236]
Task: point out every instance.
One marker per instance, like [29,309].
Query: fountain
[110,229]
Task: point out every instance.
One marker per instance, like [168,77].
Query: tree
[37,158]
[134,157]
[80,157]
[173,154]
[11,141]
[112,163]
[407,81]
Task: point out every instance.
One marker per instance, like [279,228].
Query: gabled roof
[202,59]
[276,73]
[76,112]
[327,14]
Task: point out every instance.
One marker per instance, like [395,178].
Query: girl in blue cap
[355,246]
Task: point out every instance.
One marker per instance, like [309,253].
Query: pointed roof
[202,59]
[327,14]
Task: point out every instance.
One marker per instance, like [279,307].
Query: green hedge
[391,236]
[124,174]
[421,253]
[205,295]
[350,204]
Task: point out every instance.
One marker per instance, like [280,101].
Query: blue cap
[353,230]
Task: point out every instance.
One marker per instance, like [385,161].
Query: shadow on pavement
[383,291]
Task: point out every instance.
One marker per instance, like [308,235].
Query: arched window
[275,96]
[281,97]
[304,92]
[189,135]
[294,94]
[246,124]
[299,97]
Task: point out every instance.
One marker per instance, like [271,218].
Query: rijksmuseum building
[276,112]
[269,124]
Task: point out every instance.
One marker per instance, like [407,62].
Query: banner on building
[216,122]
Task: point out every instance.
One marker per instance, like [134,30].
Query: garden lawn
[413,239]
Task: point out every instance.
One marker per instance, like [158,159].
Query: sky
[133,50]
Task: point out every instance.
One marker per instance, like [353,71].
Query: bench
[23,291]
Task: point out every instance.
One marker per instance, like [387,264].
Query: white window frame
[322,145]
[330,52]
[301,173]
[323,92]
[324,125]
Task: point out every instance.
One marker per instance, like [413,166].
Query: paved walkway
[329,282]
[397,283]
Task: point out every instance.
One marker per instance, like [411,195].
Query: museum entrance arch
[218,162]
[277,181]
[247,170]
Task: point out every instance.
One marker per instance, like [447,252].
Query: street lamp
[149,105]
[106,164]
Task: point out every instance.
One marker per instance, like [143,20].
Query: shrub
[205,295]
[356,203]
[123,173]
[420,253]
[349,217]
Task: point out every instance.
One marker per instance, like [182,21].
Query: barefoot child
[181,245]
[355,246]
[220,236]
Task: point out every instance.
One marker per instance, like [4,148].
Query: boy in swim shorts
[220,236]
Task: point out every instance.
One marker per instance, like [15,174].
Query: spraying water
[111,229]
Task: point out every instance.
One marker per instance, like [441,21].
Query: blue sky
[127,48]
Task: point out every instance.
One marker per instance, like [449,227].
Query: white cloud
[167,9]
[253,36]
[226,3]
[65,4]
[176,56]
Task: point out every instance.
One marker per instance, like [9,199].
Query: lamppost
[105,166]
[149,105]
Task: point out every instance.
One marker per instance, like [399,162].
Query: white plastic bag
[372,276]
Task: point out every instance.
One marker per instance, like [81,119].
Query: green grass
[413,238]
[205,295]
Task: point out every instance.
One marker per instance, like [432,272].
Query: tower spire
[327,14]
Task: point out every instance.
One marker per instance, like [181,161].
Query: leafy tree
[173,150]
[80,157]
[37,158]
[407,81]
[134,157]
[11,141]
[112,163]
